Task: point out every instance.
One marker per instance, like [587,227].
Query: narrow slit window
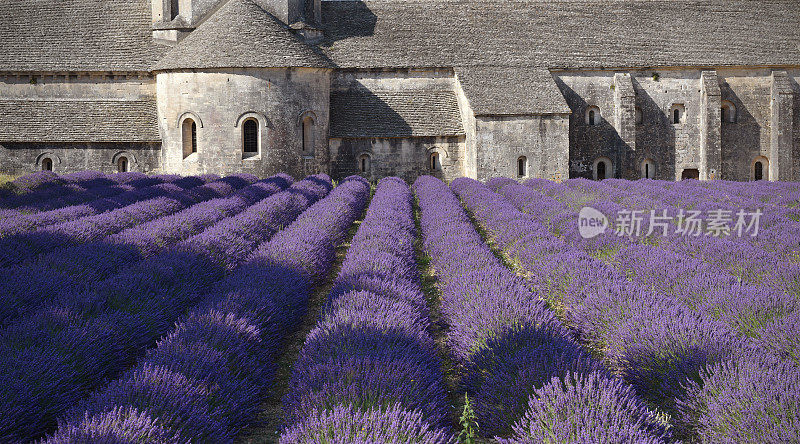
[435,162]
[363,163]
[189,129]
[522,166]
[308,136]
[758,173]
[122,164]
[47,164]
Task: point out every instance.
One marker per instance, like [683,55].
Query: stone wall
[408,158]
[542,140]
[220,101]
[749,136]
[21,158]
[701,140]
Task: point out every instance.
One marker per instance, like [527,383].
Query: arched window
[676,113]
[122,164]
[250,136]
[47,164]
[648,169]
[728,112]
[761,168]
[189,129]
[435,162]
[602,169]
[592,116]
[364,163]
[690,173]
[522,166]
[308,136]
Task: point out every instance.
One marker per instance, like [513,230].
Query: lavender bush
[506,338]
[752,398]
[205,380]
[76,268]
[588,408]
[79,339]
[371,354]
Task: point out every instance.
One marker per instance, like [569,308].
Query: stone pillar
[781,125]
[710,126]
[625,124]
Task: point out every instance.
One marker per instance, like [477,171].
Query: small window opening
[522,166]
[690,173]
[648,169]
[593,116]
[308,136]
[47,164]
[728,112]
[250,136]
[363,163]
[676,114]
[189,128]
[601,170]
[122,164]
[173,9]
[435,162]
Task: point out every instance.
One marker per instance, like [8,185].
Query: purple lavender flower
[588,408]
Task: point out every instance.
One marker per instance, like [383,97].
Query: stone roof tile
[77,35]
[241,35]
[562,33]
[511,91]
[78,121]
[360,112]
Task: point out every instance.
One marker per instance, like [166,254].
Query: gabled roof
[241,35]
[78,121]
[511,91]
[360,112]
[562,33]
[76,35]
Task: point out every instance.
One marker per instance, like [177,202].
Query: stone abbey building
[481,88]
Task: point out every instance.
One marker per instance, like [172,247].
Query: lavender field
[163,309]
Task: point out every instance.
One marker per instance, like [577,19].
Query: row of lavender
[511,346]
[45,191]
[672,338]
[370,370]
[204,381]
[697,272]
[56,354]
[73,266]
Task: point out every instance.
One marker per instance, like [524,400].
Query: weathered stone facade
[381,87]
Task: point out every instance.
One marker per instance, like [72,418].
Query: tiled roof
[241,35]
[359,112]
[511,91]
[77,35]
[562,33]
[78,121]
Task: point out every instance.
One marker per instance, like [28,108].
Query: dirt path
[271,418]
